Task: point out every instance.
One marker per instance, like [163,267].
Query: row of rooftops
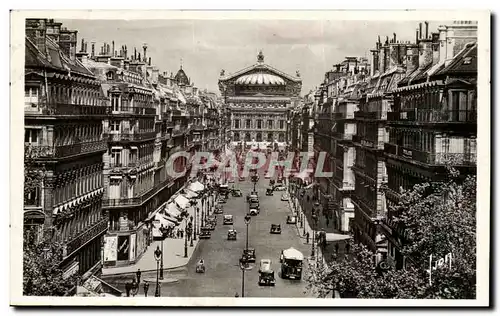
[49,52]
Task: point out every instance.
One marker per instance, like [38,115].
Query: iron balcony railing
[434,116]
[133,110]
[65,109]
[130,136]
[65,150]
[342,136]
[376,115]
[83,238]
[135,201]
[456,159]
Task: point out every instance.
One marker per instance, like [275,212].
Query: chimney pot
[420,29]
[426,29]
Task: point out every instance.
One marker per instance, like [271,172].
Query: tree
[41,273]
[439,218]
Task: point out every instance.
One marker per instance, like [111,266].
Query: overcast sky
[207,46]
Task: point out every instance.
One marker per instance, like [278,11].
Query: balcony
[370,143]
[139,200]
[127,137]
[434,116]
[133,110]
[197,127]
[124,165]
[66,150]
[342,136]
[89,234]
[65,109]
[455,159]
[377,115]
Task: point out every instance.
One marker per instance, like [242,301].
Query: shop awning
[172,210]
[162,220]
[181,201]
[332,237]
[196,187]
[190,194]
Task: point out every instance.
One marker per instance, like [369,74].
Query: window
[282,124]
[116,156]
[248,124]
[259,124]
[30,95]
[110,75]
[114,126]
[31,136]
[270,124]
[467,60]
[281,137]
[269,137]
[259,137]
[236,137]
[237,123]
[247,137]
[114,103]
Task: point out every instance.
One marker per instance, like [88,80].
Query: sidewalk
[173,252]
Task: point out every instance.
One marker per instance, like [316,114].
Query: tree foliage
[42,275]
[438,218]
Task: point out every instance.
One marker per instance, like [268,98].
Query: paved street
[223,276]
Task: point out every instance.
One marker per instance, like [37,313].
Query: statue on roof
[297,73]
[260,57]
[222,73]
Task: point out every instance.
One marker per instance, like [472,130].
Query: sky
[205,47]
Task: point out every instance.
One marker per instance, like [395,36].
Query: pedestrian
[236,294]
[182,233]
[347,247]
[138,274]
[337,249]
[307,237]
[146,288]
[178,233]
[128,287]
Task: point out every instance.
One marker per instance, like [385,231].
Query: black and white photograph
[250,158]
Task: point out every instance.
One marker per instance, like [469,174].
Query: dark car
[291,219]
[231,234]
[275,229]
[269,192]
[228,220]
[219,209]
[250,254]
[279,187]
[205,233]
[236,193]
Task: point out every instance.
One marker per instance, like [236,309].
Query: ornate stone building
[258,98]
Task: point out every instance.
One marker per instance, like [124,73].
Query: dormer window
[467,60]
[110,75]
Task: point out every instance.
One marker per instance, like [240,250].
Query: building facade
[257,100]
[64,110]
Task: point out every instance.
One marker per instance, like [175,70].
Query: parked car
[250,254]
[254,211]
[228,220]
[267,175]
[221,200]
[275,229]
[269,192]
[241,179]
[266,274]
[205,233]
[237,193]
[231,180]
[219,209]
[291,219]
[279,187]
[231,234]
[285,197]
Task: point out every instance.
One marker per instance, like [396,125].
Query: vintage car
[271,182]
[267,175]
[291,219]
[254,203]
[291,264]
[205,232]
[285,197]
[219,209]
[236,193]
[280,180]
[266,274]
[221,200]
[231,180]
[275,229]
[231,234]
[279,187]
[269,192]
[228,220]
[253,212]
[250,254]
[241,179]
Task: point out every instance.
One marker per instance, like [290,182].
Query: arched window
[281,137]
[269,137]
[247,137]
[236,137]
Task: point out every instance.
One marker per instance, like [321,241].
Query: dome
[260,79]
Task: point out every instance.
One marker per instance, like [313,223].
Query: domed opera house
[258,99]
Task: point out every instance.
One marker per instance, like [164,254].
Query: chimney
[381,59]
[425,53]
[68,42]
[108,50]
[394,37]
[149,61]
[420,30]
[435,48]
[82,49]
[442,43]
[135,53]
[145,47]
[139,57]
[125,51]
[113,48]
[92,53]
[426,29]
[411,59]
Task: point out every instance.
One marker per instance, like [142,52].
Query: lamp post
[186,241]
[161,258]
[244,260]
[315,221]
[158,254]
[192,231]
[195,224]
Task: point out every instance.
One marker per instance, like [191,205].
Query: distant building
[258,99]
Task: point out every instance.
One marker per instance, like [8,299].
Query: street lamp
[244,260]
[158,255]
[186,241]
[247,222]
[195,224]
[315,220]
[163,235]
[192,231]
